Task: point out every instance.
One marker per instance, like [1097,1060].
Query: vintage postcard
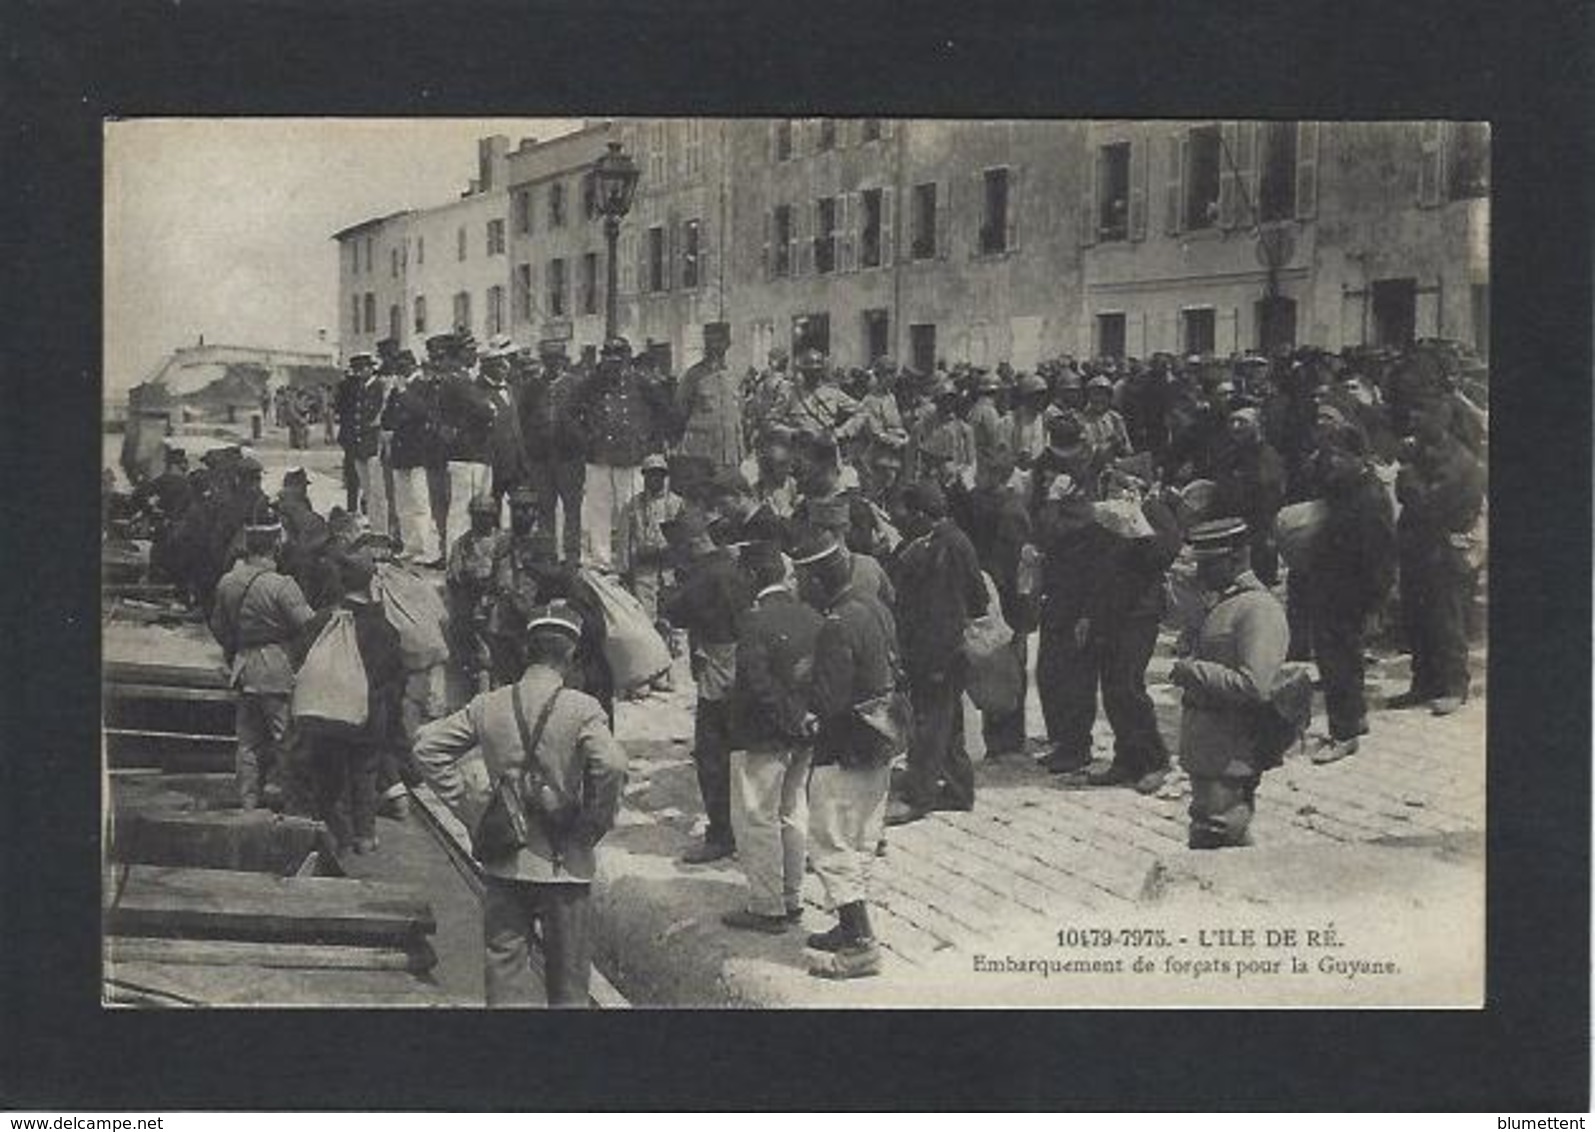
[780,563]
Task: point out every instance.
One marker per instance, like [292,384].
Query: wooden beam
[124,691]
[240,952]
[125,671]
[204,903]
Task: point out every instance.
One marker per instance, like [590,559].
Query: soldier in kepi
[553,741]
[258,617]
[1227,681]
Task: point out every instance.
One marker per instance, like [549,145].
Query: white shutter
[671,275]
[766,259]
[1248,156]
[944,213]
[1174,184]
[1140,153]
[888,220]
[703,254]
[847,234]
[1306,170]
[1088,198]
[1016,199]
[1228,189]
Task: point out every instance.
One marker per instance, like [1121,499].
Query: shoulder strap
[532,736]
[238,609]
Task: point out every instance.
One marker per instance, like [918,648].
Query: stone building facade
[956,240]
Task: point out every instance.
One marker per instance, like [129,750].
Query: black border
[1522,65]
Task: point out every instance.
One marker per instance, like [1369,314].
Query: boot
[859,956]
[831,940]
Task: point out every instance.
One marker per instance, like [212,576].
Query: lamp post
[615,175]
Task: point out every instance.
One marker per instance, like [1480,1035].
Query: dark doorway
[1110,335]
[1395,311]
[922,347]
[1276,325]
[811,332]
[877,337]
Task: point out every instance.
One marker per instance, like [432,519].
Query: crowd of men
[825,540]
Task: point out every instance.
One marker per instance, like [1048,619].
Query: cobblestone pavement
[1038,849]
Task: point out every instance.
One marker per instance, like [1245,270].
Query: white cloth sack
[633,647]
[331,691]
[416,612]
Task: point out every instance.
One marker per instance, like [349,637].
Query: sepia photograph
[786,563]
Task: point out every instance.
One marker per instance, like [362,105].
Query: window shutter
[703,254]
[977,190]
[766,260]
[1428,167]
[671,275]
[1228,182]
[1016,199]
[1306,170]
[1173,218]
[803,253]
[1139,173]
[847,236]
[644,277]
[944,212]
[888,222]
[1088,198]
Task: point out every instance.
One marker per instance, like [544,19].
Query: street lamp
[615,182]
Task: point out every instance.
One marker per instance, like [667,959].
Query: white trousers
[375,489]
[844,809]
[466,481]
[414,506]
[770,817]
[604,497]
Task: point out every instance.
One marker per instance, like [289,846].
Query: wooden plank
[255,841]
[125,670]
[223,985]
[242,952]
[171,737]
[128,691]
[158,900]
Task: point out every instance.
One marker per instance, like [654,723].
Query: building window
[462,311]
[922,347]
[420,314]
[658,153]
[783,140]
[459,244]
[589,296]
[871,130]
[523,291]
[1469,172]
[556,205]
[924,241]
[870,231]
[994,214]
[370,244]
[827,133]
[877,335]
[811,332]
[395,322]
[689,254]
[495,310]
[1198,330]
[1276,181]
[495,237]
[523,211]
[356,313]
[589,195]
[1113,194]
[393,262]
[1110,333]
[420,249]
[693,150]
[656,259]
[1276,325]
[1203,158]
[556,288]
[1395,311]
[371,313]
[781,241]
[825,235]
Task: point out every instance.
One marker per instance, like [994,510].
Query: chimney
[491,155]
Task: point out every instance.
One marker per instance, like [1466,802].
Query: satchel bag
[503,829]
[1283,721]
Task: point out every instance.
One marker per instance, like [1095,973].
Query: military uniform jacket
[938,578]
[467,408]
[822,409]
[855,660]
[362,434]
[616,416]
[577,753]
[258,617]
[413,416]
[1236,662]
[709,405]
[774,665]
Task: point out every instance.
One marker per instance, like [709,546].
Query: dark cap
[811,544]
[617,347]
[719,332]
[762,556]
[926,498]
[558,616]
[1217,537]
[263,520]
